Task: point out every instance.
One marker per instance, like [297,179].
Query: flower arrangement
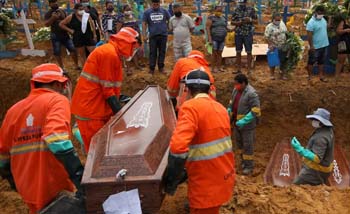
[43,34]
[295,47]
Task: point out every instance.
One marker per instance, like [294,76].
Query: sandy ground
[284,106]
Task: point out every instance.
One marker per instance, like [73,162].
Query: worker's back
[182,67]
[210,162]
[28,128]
[101,78]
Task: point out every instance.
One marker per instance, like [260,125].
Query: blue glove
[245,120]
[304,152]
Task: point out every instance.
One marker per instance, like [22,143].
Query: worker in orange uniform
[96,96]
[36,154]
[176,86]
[202,143]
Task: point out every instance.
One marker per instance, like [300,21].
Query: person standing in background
[217,30]
[317,36]
[155,19]
[109,20]
[80,25]
[182,26]
[243,17]
[275,34]
[95,17]
[59,36]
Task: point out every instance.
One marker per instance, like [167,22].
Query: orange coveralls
[203,135]
[27,130]
[100,79]
[183,66]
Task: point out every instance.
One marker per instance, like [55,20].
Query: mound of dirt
[284,106]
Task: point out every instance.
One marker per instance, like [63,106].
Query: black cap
[52,1]
[197,79]
[155,1]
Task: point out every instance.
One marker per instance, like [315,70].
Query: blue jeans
[57,42]
[157,49]
[218,46]
[247,41]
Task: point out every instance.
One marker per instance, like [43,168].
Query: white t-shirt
[181,27]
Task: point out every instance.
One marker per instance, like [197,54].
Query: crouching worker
[202,143]
[36,154]
[318,155]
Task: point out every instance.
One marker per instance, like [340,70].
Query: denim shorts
[57,42]
[318,55]
[247,41]
[218,46]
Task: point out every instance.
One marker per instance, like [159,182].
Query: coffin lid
[135,139]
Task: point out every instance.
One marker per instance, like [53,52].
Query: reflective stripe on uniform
[56,137]
[318,167]
[28,147]
[104,83]
[46,73]
[257,111]
[240,116]
[247,157]
[210,150]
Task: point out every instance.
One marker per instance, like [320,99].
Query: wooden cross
[31,51]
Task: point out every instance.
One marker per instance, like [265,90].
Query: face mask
[178,14]
[238,87]
[80,12]
[319,17]
[110,9]
[133,54]
[128,13]
[218,14]
[315,124]
[85,4]
[54,7]
[277,23]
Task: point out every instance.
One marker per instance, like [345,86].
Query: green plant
[6,25]
[43,34]
[295,47]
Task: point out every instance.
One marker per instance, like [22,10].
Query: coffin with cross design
[285,164]
[135,139]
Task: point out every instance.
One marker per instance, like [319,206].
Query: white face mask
[81,12]
[319,17]
[133,54]
[277,23]
[315,124]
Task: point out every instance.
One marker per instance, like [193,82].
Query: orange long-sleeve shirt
[203,135]
[27,130]
[101,78]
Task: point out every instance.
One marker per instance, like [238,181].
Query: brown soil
[284,106]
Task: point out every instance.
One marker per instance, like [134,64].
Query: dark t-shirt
[55,28]
[93,13]
[157,21]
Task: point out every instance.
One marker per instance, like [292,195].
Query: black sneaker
[161,70]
